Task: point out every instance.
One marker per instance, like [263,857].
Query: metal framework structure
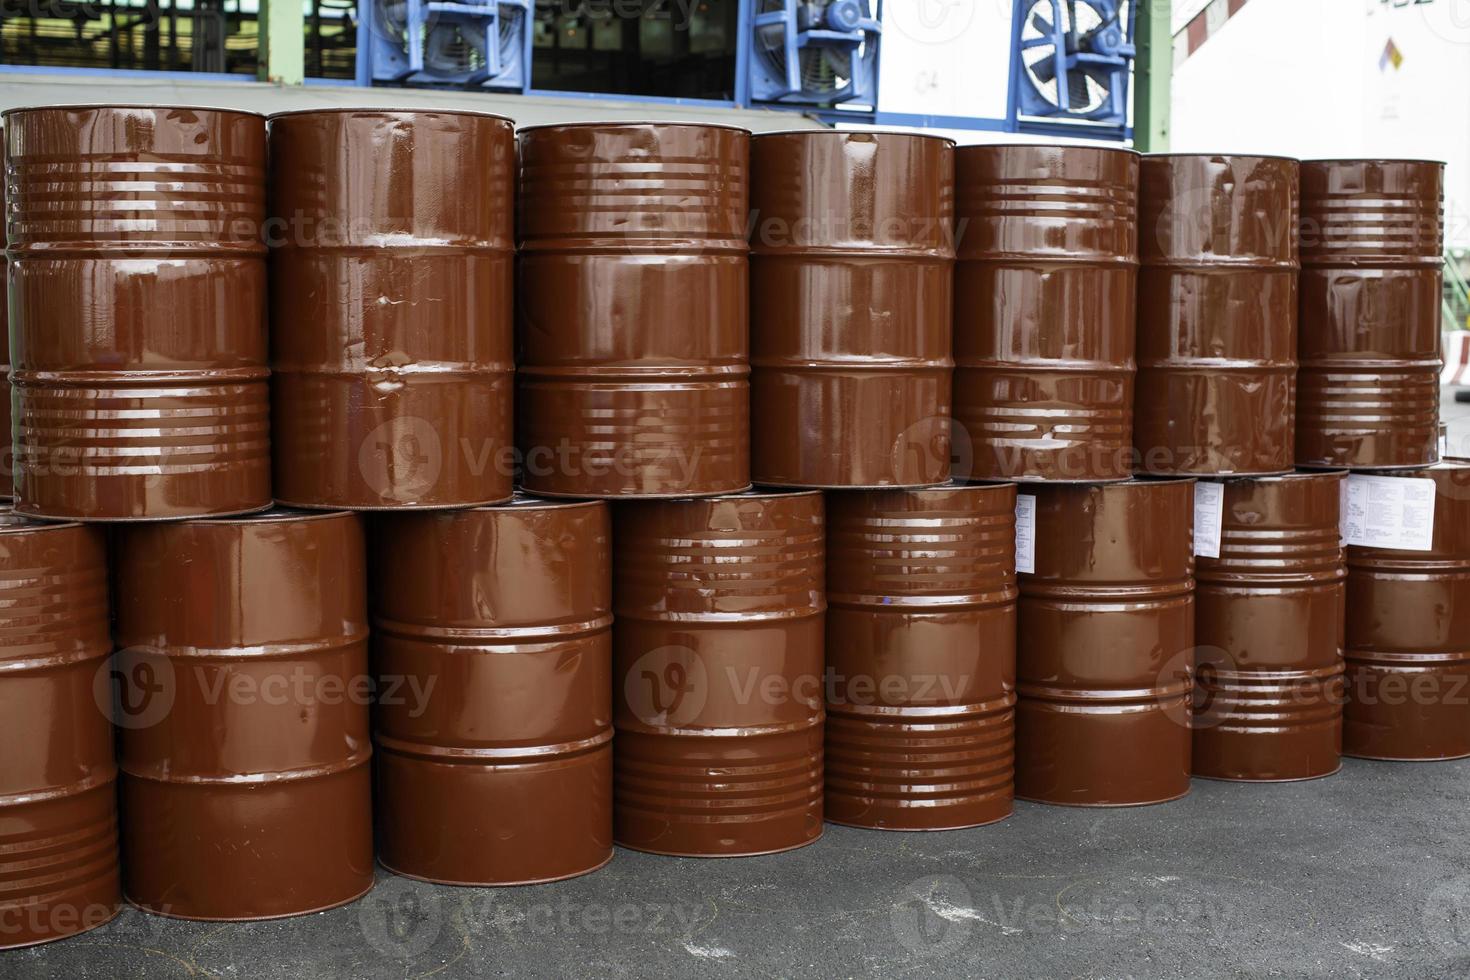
[847,23]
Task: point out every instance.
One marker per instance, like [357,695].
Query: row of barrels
[710,677]
[683,310]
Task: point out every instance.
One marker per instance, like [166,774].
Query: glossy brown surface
[391,274]
[1408,636]
[1104,645]
[852,249]
[1217,308]
[921,657]
[58,804]
[495,764]
[1044,312]
[1372,251]
[717,674]
[631,336]
[7,454]
[1268,626]
[137,296]
[246,794]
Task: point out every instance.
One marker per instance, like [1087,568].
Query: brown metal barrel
[632,346]
[1372,249]
[1044,312]
[921,657]
[494,756]
[7,452]
[247,794]
[1217,310]
[58,803]
[1408,636]
[391,325]
[1105,645]
[137,295]
[717,674]
[852,253]
[1268,626]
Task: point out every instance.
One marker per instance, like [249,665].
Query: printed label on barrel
[1209,509]
[1025,534]
[1388,512]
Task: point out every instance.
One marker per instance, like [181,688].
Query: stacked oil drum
[479,502]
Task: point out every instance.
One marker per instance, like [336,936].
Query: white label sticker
[1025,533]
[1209,509]
[1388,512]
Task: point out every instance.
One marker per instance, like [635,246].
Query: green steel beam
[282,42]
[1153,70]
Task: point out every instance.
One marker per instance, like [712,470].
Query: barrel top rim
[1123,150]
[850,132]
[1275,477]
[753,493]
[630,124]
[1325,160]
[344,109]
[65,106]
[275,514]
[1236,154]
[523,501]
[13,523]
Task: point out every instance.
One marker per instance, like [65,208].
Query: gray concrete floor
[1366,873]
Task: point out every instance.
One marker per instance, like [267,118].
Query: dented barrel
[246,792]
[1268,626]
[58,794]
[921,657]
[137,296]
[1408,636]
[1104,644]
[717,674]
[1217,309]
[493,651]
[391,330]
[1044,312]
[1372,251]
[632,347]
[852,251]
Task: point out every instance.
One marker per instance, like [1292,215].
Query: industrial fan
[814,52]
[451,43]
[1075,57]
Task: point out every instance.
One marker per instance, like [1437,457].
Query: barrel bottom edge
[1213,475]
[25,511]
[1362,467]
[391,508]
[794,485]
[1102,806]
[1042,480]
[143,907]
[681,495]
[1267,779]
[920,830]
[1405,758]
[729,854]
[498,884]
